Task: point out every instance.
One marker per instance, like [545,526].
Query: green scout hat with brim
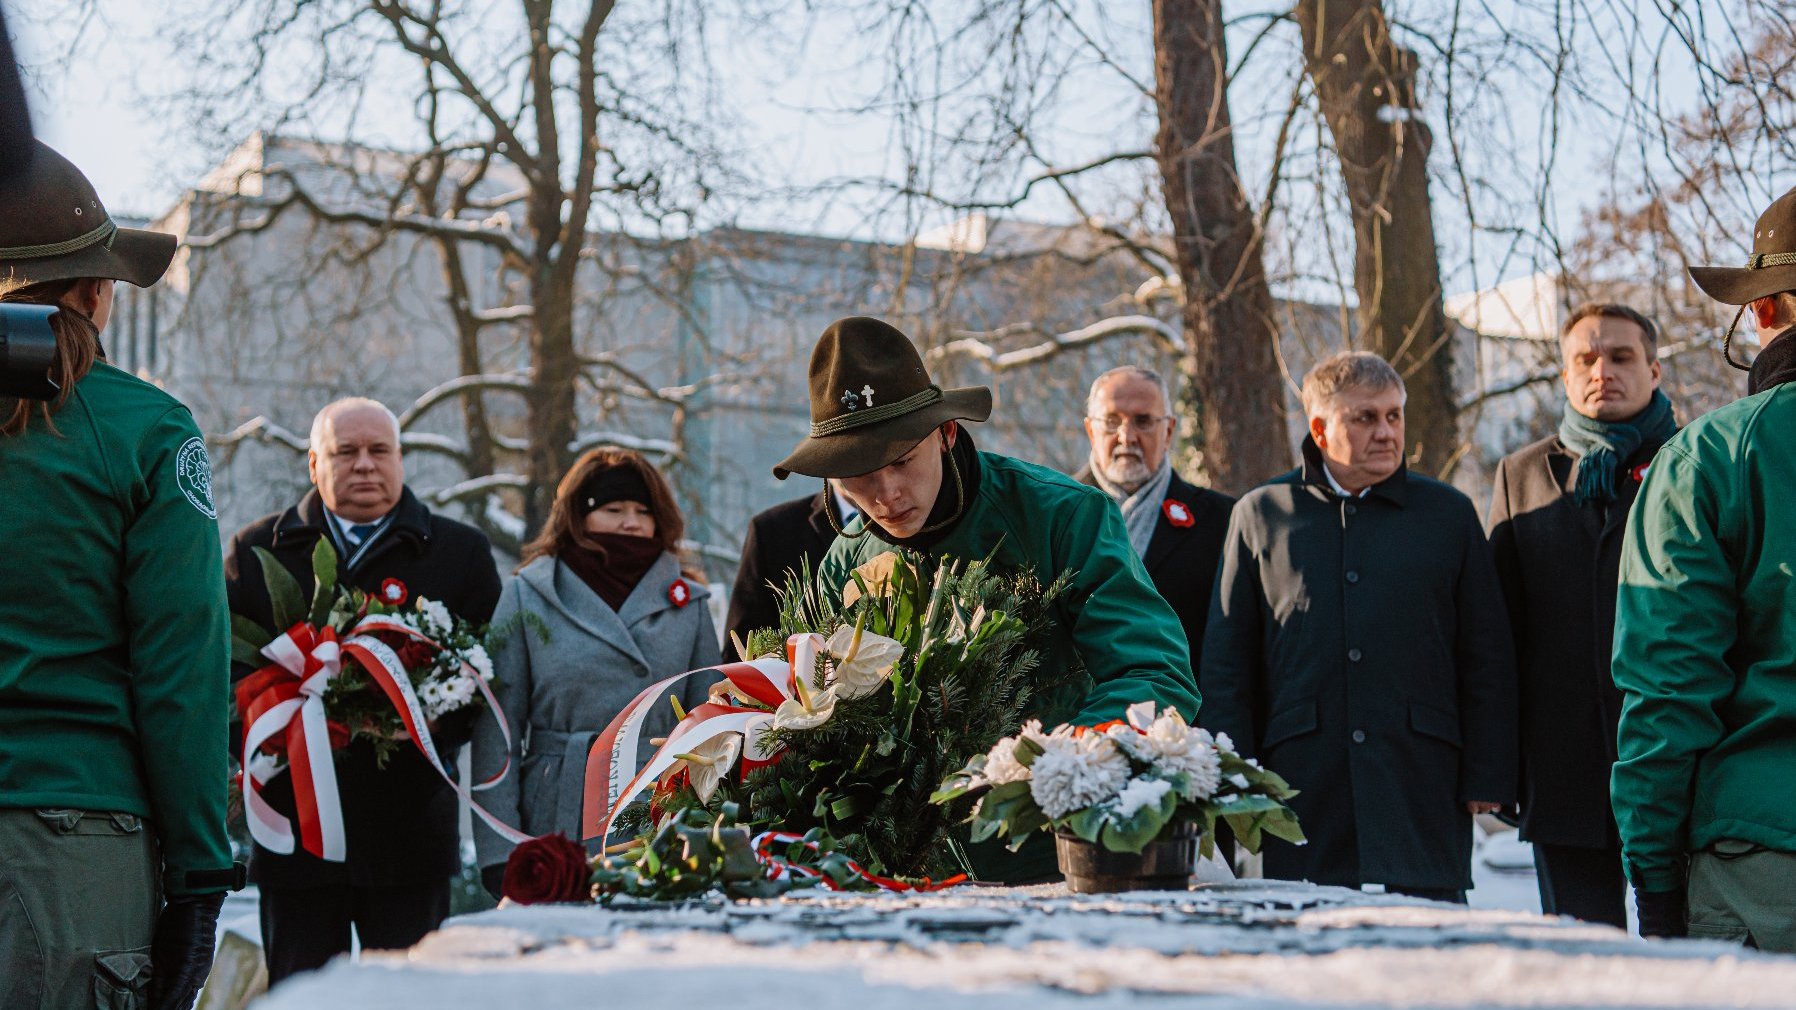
[872,401]
[1769,270]
[53,227]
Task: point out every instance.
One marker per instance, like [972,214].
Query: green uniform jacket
[1705,643]
[1111,618]
[114,637]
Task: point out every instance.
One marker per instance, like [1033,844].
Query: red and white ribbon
[612,778]
[780,868]
[295,705]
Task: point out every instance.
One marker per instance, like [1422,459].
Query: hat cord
[1727,342]
[960,494]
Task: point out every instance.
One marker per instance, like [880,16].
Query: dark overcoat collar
[1393,489]
[304,523]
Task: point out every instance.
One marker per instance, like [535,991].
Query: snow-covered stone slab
[1255,944]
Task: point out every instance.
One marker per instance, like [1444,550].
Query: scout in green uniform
[114,640]
[1705,644]
[892,438]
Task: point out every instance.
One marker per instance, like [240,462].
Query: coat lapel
[1166,535]
[1562,470]
[651,593]
[582,607]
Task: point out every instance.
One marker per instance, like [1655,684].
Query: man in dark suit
[400,821]
[1175,527]
[1557,515]
[779,542]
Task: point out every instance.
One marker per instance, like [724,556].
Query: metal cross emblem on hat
[867,395]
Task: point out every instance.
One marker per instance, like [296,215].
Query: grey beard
[1128,472]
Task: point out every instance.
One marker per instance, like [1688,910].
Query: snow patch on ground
[1257,944]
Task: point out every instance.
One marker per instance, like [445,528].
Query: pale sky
[95,112]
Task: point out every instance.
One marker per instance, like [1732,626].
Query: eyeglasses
[1110,424]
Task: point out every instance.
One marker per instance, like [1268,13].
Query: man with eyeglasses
[1175,527]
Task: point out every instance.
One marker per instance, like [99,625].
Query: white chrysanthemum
[481,662]
[1140,793]
[436,616]
[1075,772]
[1001,765]
[1175,748]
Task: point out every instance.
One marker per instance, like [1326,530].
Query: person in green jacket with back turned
[893,438]
[1705,642]
[114,639]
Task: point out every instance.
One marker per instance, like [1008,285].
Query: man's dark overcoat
[1358,647]
[1558,563]
[779,540]
[400,822]
[1182,559]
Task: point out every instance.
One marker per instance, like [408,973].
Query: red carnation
[552,868]
[393,593]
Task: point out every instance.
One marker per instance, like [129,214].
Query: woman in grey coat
[599,610]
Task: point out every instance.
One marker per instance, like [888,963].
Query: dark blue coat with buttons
[1360,648]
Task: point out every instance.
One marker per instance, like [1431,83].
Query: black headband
[619,483]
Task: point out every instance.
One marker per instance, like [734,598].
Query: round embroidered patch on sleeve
[193,475]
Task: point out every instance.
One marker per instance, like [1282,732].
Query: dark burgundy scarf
[616,567]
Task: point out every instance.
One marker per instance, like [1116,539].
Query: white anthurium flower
[809,710]
[862,661]
[709,762]
[1141,715]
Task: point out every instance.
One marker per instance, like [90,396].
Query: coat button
[1350,508]
[1359,736]
[1353,655]
[1352,576]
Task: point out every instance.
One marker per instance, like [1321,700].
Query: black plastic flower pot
[1165,864]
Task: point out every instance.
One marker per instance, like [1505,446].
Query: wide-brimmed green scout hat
[53,227]
[872,401]
[1769,270]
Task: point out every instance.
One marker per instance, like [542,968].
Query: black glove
[493,879]
[181,951]
[1662,913]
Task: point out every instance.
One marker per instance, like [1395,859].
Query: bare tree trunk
[1365,84]
[1232,384]
[550,401]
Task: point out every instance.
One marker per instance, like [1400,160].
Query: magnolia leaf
[324,576]
[245,653]
[284,596]
[250,632]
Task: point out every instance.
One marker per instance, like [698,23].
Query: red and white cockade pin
[1177,513]
[393,593]
[679,594]
[1639,472]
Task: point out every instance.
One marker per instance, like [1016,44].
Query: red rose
[415,655]
[552,868]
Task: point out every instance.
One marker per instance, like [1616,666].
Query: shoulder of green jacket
[1727,429]
[124,396]
[1007,474]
